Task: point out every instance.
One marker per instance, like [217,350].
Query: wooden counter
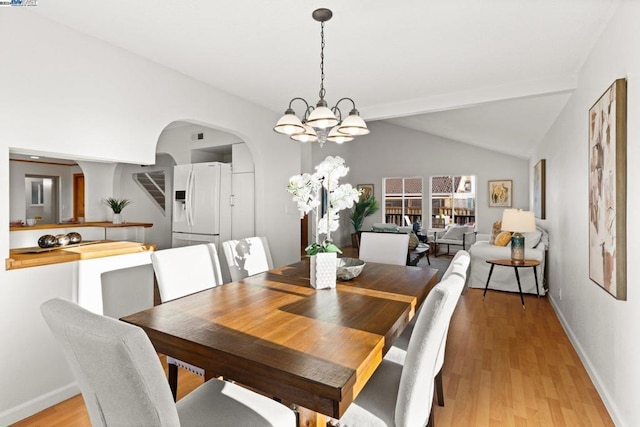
[105,224]
[19,258]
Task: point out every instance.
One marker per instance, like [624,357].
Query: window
[453,200]
[402,197]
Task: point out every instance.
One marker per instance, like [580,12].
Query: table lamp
[518,222]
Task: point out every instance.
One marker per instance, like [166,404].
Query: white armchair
[457,235]
[503,278]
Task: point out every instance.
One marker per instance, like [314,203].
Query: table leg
[519,287]
[488,279]
[535,274]
[309,418]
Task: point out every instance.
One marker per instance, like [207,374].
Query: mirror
[42,188]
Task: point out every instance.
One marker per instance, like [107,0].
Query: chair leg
[173,380]
[431,422]
[438,387]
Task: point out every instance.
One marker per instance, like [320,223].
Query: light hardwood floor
[504,366]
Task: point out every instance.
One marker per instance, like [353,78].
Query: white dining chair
[246,257]
[123,384]
[183,271]
[384,248]
[402,394]
[397,353]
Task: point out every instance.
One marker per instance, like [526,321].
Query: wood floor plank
[504,366]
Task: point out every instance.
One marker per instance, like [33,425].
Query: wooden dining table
[272,332]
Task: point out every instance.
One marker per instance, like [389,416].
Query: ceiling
[493,73]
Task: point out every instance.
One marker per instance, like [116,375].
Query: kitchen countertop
[33,257]
[105,224]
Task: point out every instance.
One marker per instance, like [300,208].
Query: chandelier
[322,123]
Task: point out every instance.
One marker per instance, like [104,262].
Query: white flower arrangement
[307,193]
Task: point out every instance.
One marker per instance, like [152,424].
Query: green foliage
[362,209]
[326,246]
[116,204]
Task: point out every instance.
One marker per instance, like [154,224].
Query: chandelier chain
[322,91]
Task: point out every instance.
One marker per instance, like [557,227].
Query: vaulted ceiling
[493,73]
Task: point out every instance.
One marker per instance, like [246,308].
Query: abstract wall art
[539,184]
[607,190]
[500,193]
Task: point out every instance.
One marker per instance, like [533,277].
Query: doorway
[78,197]
[41,198]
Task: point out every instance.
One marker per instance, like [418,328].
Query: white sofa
[504,278]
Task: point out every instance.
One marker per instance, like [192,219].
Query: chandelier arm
[337,112]
[346,99]
[307,112]
[301,99]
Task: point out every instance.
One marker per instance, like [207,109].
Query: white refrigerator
[201,204]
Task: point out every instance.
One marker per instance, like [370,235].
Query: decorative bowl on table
[349,268]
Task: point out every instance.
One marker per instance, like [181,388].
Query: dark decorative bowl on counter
[74,238]
[47,241]
[348,268]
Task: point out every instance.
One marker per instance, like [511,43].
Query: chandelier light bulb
[322,118]
[353,125]
[308,135]
[338,137]
[289,124]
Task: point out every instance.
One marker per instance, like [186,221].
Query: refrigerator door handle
[189,197]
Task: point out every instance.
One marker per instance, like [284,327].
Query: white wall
[70,95]
[182,144]
[604,331]
[142,208]
[394,151]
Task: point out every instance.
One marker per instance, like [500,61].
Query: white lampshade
[322,118]
[338,137]
[307,135]
[353,125]
[518,221]
[289,124]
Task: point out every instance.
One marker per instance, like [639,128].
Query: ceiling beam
[450,101]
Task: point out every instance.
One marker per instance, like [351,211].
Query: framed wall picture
[607,190]
[539,183]
[500,193]
[367,190]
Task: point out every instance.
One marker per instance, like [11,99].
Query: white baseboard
[38,404]
[595,378]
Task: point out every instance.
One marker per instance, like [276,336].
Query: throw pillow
[454,233]
[413,241]
[495,230]
[503,238]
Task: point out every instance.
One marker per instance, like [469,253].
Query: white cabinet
[241,158]
[243,190]
[243,208]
